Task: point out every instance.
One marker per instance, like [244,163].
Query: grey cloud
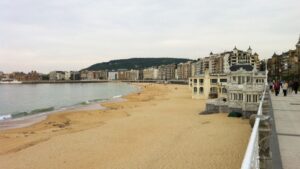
[72,34]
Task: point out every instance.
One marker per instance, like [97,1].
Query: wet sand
[157,128]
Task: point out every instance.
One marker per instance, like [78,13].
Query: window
[248,79]
[234,78]
[195,89]
[201,81]
[255,98]
[223,80]
[234,96]
[213,90]
[239,80]
[240,96]
[201,89]
[248,98]
[195,80]
[213,81]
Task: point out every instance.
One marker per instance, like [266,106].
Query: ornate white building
[239,89]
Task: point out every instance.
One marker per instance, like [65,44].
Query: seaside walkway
[286,112]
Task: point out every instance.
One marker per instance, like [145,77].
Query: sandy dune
[158,128]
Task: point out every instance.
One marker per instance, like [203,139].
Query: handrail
[251,158]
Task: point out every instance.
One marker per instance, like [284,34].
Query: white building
[112,75]
[67,75]
[206,86]
[57,75]
[240,88]
[245,87]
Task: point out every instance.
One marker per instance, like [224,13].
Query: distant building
[166,72]
[193,69]
[20,76]
[101,74]
[33,76]
[285,66]
[94,75]
[1,75]
[112,75]
[150,74]
[67,75]
[122,75]
[74,75]
[184,70]
[90,75]
[57,75]
[132,74]
[221,62]
[84,75]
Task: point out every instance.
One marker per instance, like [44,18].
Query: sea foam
[4,117]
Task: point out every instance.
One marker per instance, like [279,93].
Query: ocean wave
[97,100]
[85,102]
[118,96]
[92,101]
[4,117]
[41,110]
[19,114]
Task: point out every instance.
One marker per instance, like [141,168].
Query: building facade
[207,85]
[285,66]
[184,70]
[245,87]
[166,72]
[150,73]
[239,89]
[112,75]
[57,75]
[221,62]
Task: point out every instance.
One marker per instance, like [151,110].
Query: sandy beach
[157,128]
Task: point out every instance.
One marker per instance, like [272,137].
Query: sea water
[19,100]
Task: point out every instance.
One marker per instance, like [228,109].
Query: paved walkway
[286,112]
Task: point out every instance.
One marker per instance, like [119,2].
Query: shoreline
[174,81]
[28,120]
[161,123]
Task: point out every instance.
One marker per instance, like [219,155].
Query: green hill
[135,63]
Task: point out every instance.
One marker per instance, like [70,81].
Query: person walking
[296,86]
[285,88]
[276,87]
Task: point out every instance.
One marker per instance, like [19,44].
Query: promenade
[286,111]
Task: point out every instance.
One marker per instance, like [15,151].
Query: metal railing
[251,158]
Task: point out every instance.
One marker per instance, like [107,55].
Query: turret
[235,50]
[298,44]
[298,47]
[249,50]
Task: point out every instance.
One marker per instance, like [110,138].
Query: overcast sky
[46,35]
